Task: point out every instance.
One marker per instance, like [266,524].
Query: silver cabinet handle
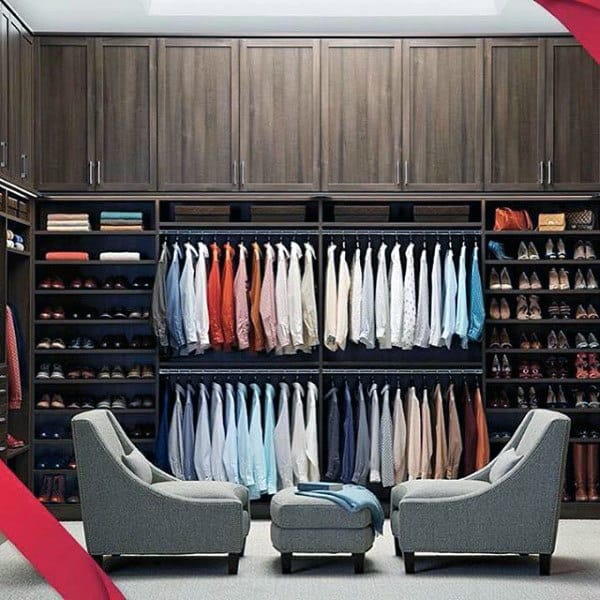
[549,172]
[98,172]
[23,166]
[405,172]
[4,160]
[235,174]
[397,172]
[91,172]
[541,180]
[243,172]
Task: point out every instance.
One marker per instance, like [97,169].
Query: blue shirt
[257,451]
[269,445]
[230,450]
[348,434]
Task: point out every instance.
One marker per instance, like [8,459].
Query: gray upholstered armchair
[131,507]
[510,506]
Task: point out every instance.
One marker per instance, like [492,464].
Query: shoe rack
[566,378]
[53,449]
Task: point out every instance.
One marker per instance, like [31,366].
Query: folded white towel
[119,256]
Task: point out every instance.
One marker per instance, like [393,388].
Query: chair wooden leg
[286,562]
[545,561]
[409,562]
[98,559]
[397,547]
[359,563]
[233,561]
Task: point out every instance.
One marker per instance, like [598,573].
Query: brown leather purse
[507,219]
[552,222]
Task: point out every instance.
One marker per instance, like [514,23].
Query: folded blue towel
[111,214]
[353,498]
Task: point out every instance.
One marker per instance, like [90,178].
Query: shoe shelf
[103,263]
[549,234]
[92,292]
[18,252]
[14,452]
[93,351]
[64,441]
[530,381]
[541,351]
[75,411]
[567,411]
[110,380]
[56,472]
[146,232]
[555,322]
[585,292]
[92,322]
[556,262]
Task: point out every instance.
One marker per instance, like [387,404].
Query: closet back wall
[179,114]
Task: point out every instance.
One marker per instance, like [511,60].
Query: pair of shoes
[562,310]
[587,366]
[529,401]
[141,372]
[53,433]
[143,283]
[582,313]
[530,370]
[51,283]
[588,282]
[141,402]
[144,342]
[141,431]
[50,462]
[584,250]
[500,401]
[527,252]
[106,372]
[555,252]
[500,436]
[528,308]
[82,343]
[529,343]
[558,280]
[47,401]
[585,468]
[529,283]
[46,372]
[51,344]
[554,400]
[52,489]
[89,283]
[52,313]
[501,367]
[499,310]
[500,341]
[557,367]
[112,403]
[500,282]
[581,341]
[559,341]
[497,250]
[83,313]
[589,401]
[12,442]
[114,342]
[115,283]
[121,312]
[81,373]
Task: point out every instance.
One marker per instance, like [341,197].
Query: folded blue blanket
[111,214]
[353,498]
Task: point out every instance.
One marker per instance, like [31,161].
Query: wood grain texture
[361,109]
[4,23]
[65,115]
[126,113]
[14,98]
[443,114]
[27,110]
[514,113]
[198,110]
[573,117]
[279,115]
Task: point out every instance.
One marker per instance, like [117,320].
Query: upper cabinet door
[126,114]
[361,110]
[514,114]
[442,131]
[26,159]
[4,23]
[198,111]
[573,118]
[279,115]
[14,99]
[65,114]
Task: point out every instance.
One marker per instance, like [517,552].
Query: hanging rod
[403,371]
[227,371]
[237,232]
[401,232]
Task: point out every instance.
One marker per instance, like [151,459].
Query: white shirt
[299,457]
[413,434]
[230,448]
[281,297]
[309,301]
[423,330]
[188,297]
[426,437]
[257,448]
[399,438]
[330,300]
[176,434]
[343,291]
[450,287]
[202,319]
[409,317]
[312,436]
[218,434]
[281,436]
[382,301]
[367,305]
[355,296]
[375,474]
[396,297]
[294,286]
[435,334]
[202,445]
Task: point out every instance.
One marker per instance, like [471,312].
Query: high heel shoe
[563,342]
[505,282]
[532,251]
[552,341]
[497,249]
[521,402]
[553,279]
[563,280]
[532,396]
[504,401]
[561,399]
[524,343]
[565,310]
[496,367]
[505,339]
[560,249]
[524,283]
[522,308]
[535,311]
[506,368]
[535,282]
[504,309]
[554,310]
[494,339]
[579,283]
[550,397]
[535,342]
[593,366]
[494,309]
[523,369]
[535,370]
[550,251]
[581,366]
[522,253]
[592,284]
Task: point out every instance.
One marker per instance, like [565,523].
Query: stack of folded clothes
[121,221]
[15,241]
[68,222]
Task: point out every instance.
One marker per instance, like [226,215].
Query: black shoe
[88,343]
[75,344]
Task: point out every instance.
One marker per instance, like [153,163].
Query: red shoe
[13,442]
[581,366]
[593,366]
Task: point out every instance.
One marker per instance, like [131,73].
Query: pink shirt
[267,300]
[240,295]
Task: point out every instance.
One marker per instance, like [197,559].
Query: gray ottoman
[313,526]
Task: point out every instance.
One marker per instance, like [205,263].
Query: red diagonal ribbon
[581,18]
[48,546]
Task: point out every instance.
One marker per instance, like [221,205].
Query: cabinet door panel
[442,134]
[514,114]
[65,114]
[361,108]
[198,111]
[4,24]
[279,115]
[26,158]
[573,120]
[14,99]
[126,114]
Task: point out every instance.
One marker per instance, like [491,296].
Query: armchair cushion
[436,488]
[201,490]
[505,462]
[138,465]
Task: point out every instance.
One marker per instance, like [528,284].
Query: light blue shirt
[462,311]
[202,445]
[269,444]
[230,449]
[217,434]
[176,435]
[256,442]
[243,438]
[477,313]
[189,472]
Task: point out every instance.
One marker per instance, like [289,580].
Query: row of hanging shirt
[391,309]
[396,434]
[207,433]
[195,308]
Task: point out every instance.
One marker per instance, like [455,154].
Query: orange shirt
[215,331]
[227,299]
[257,336]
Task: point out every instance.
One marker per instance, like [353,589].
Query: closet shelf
[93,351]
[557,262]
[549,234]
[94,292]
[402,225]
[108,380]
[16,252]
[569,411]
[585,292]
[531,381]
[58,472]
[70,441]
[146,232]
[105,263]
[541,351]
[92,322]
[556,322]
[203,225]
[74,411]
[14,452]
[19,220]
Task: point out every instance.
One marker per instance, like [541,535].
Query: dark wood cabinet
[5,18]
[14,99]
[279,115]
[27,111]
[572,117]
[514,114]
[361,112]
[65,123]
[198,112]
[442,131]
[125,114]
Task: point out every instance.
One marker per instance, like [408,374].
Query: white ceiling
[248,17]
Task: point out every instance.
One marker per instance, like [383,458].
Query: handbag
[507,219]
[552,222]
[581,219]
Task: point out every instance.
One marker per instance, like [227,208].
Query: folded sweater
[119,256]
[67,256]
[112,214]
[68,217]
